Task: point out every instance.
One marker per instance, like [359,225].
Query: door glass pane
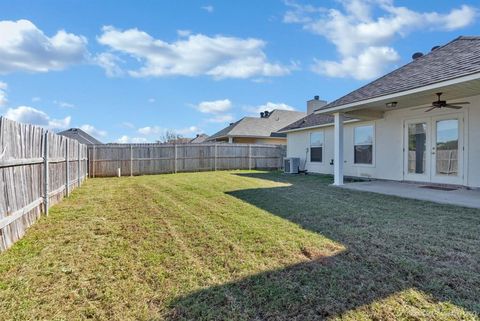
[417,145]
[447,147]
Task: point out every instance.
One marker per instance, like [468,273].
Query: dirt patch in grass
[242,246]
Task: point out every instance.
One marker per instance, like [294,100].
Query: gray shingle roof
[460,57]
[81,136]
[311,120]
[260,127]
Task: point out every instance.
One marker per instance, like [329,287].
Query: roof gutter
[351,106]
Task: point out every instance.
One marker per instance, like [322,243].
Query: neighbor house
[81,136]
[199,139]
[420,122]
[258,130]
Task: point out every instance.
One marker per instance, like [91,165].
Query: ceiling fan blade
[453,106]
[430,109]
[418,108]
[462,103]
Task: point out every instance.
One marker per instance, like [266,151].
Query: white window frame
[310,146]
[370,124]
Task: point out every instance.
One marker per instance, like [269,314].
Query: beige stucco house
[421,123]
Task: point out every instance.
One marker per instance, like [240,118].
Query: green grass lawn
[242,246]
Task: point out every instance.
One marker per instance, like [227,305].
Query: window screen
[363,145]
[316,147]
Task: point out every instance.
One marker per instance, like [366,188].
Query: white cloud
[185,132]
[368,64]
[36,99]
[221,119]
[93,131]
[133,140]
[24,47]
[214,107]
[360,35]
[184,33]
[196,55]
[30,115]
[151,130]
[3,93]
[128,124]
[158,131]
[110,63]
[269,106]
[208,8]
[63,104]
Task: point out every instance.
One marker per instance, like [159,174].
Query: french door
[433,149]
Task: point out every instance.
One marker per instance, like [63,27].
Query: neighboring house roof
[81,136]
[310,121]
[199,139]
[460,57]
[260,127]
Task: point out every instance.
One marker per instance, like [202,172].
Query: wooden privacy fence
[141,159]
[37,169]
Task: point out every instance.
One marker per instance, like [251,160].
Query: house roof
[199,139]
[458,58]
[312,120]
[260,127]
[81,136]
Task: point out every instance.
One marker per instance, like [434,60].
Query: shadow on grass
[393,245]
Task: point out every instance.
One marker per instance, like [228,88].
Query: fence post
[93,162]
[67,169]
[175,159]
[45,173]
[78,164]
[215,156]
[131,160]
[249,157]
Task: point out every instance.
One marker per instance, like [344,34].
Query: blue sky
[127,71]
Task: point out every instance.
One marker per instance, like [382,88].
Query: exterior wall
[388,159]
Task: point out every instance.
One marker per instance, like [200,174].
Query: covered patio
[434,193]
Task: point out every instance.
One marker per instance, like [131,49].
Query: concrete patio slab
[460,197]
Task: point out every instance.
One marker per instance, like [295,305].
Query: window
[363,145]
[316,147]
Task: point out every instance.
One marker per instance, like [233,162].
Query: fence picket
[34,174]
[161,158]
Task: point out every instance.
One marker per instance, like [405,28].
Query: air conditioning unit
[291,165]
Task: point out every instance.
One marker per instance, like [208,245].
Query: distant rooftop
[81,136]
[260,126]
[199,139]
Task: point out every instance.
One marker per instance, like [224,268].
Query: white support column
[338,150]
[230,140]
